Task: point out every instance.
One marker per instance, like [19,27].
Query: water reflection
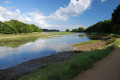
[15,44]
[13,53]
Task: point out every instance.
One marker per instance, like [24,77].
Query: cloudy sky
[57,14]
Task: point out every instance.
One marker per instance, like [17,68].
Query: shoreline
[25,68]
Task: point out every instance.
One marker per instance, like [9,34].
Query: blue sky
[58,14]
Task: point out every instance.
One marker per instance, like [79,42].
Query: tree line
[108,26]
[81,29]
[15,26]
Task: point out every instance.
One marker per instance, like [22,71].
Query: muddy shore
[16,72]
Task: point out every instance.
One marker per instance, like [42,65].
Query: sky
[58,14]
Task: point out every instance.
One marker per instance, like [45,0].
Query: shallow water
[14,53]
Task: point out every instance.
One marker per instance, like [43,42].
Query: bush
[67,30]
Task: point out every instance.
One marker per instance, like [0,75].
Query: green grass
[60,33]
[19,37]
[84,43]
[68,69]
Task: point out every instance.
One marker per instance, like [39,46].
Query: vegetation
[84,43]
[101,27]
[67,30]
[23,36]
[81,29]
[107,26]
[70,68]
[14,27]
[116,20]
[60,33]
[74,30]
[16,43]
[51,30]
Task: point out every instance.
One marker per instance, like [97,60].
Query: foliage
[101,27]
[35,28]
[116,16]
[107,26]
[116,20]
[74,30]
[14,26]
[67,30]
[81,29]
[51,30]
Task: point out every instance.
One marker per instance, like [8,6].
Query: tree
[74,30]
[116,20]
[67,30]
[81,29]
[101,27]
[36,28]
[6,29]
[116,16]
[20,27]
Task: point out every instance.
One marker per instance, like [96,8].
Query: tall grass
[18,37]
[60,33]
[84,43]
[68,69]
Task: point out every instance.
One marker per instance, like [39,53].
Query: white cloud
[7,2]
[74,8]
[103,0]
[31,18]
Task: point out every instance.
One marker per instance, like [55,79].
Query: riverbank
[23,36]
[69,69]
[27,67]
[105,69]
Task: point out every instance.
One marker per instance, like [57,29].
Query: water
[14,53]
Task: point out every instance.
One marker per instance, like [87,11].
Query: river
[16,52]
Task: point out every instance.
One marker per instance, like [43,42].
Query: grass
[60,33]
[19,37]
[84,43]
[68,69]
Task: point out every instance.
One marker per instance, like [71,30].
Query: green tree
[36,28]
[81,29]
[20,27]
[116,16]
[116,20]
[6,29]
[101,27]
[74,30]
[67,30]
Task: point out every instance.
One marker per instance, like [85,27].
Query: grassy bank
[84,43]
[68,69]
[60,33]
[19,37]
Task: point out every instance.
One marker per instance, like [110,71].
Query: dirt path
[106,69]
